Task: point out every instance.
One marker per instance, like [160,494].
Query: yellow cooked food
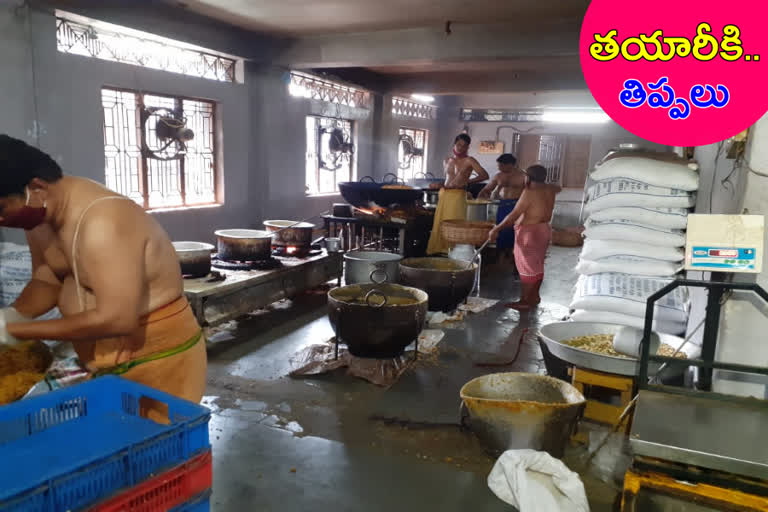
[603,344]
[21,367]
[16,385]
[397,187]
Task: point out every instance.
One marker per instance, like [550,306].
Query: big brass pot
[377,320]
[447,282]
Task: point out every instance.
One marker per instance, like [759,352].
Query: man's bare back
[537,203]
[119,228]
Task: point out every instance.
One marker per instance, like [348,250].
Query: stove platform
[243,291]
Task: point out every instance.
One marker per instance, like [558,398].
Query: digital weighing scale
[692,445]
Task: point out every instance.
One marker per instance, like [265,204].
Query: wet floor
[334,442]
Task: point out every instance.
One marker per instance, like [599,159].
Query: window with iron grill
[326,168]
[187,181]
[118,44]
[546,150]
[411,165]
[566,157]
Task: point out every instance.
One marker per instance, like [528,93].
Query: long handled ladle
[477,253]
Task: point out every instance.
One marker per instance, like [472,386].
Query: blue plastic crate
[75,446]
[202,503]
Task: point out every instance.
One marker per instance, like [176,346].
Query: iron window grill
[550,153]
[321,180]
[405,108]
[187,181]
[409,166]
[89,41]
[307,86]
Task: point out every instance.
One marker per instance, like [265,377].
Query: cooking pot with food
[377,320]
[447,282]
[289,233]
[194,258]
[243,244]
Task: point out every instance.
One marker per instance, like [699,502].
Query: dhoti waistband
[164,329]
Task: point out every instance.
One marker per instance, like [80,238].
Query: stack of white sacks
[635,237]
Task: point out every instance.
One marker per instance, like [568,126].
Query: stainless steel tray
[554,334]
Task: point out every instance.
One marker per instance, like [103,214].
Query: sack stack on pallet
[637,213]
[106,445]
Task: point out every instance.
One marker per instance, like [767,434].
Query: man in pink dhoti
[533,233]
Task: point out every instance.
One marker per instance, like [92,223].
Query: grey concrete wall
[385,141]
[280,139]
[67,92]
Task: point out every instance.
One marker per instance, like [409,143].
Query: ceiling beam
[484,82]
[432,44]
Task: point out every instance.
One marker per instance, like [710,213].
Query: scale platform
[718,432]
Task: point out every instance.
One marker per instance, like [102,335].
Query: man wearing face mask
[533,233]
[452,204]
[110,269]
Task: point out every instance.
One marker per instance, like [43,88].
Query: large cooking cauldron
[447,282]
[377,320]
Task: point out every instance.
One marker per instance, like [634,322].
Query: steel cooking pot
[289,233]
[447,282]
[194,258]
[371,266]
[377,320]
[243,244]
[477,210]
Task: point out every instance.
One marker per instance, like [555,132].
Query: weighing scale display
[733,259]
[725,243]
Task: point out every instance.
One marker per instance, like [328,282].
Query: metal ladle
[477,253]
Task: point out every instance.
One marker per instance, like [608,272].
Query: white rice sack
[628,295]
[608,317]
[15,274]
[652,172]
[629,265]
[622,193]
[633,232]
[598,249]
[669,218]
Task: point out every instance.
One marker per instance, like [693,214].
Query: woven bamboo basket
[569,237]
[465,232]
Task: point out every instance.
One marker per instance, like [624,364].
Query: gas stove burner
[266,264]
[294,252]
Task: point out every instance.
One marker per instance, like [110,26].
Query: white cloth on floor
[534,481]
[477,304]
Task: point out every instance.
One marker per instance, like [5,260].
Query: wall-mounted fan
[408,150]
[164,133]
[334,147]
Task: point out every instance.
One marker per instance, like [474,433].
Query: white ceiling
[312,17]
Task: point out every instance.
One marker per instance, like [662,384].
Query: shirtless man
[453,196]
[460,167]
[531,218]
[507,186]
[111,270]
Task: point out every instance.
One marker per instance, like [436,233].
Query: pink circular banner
[680,72]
